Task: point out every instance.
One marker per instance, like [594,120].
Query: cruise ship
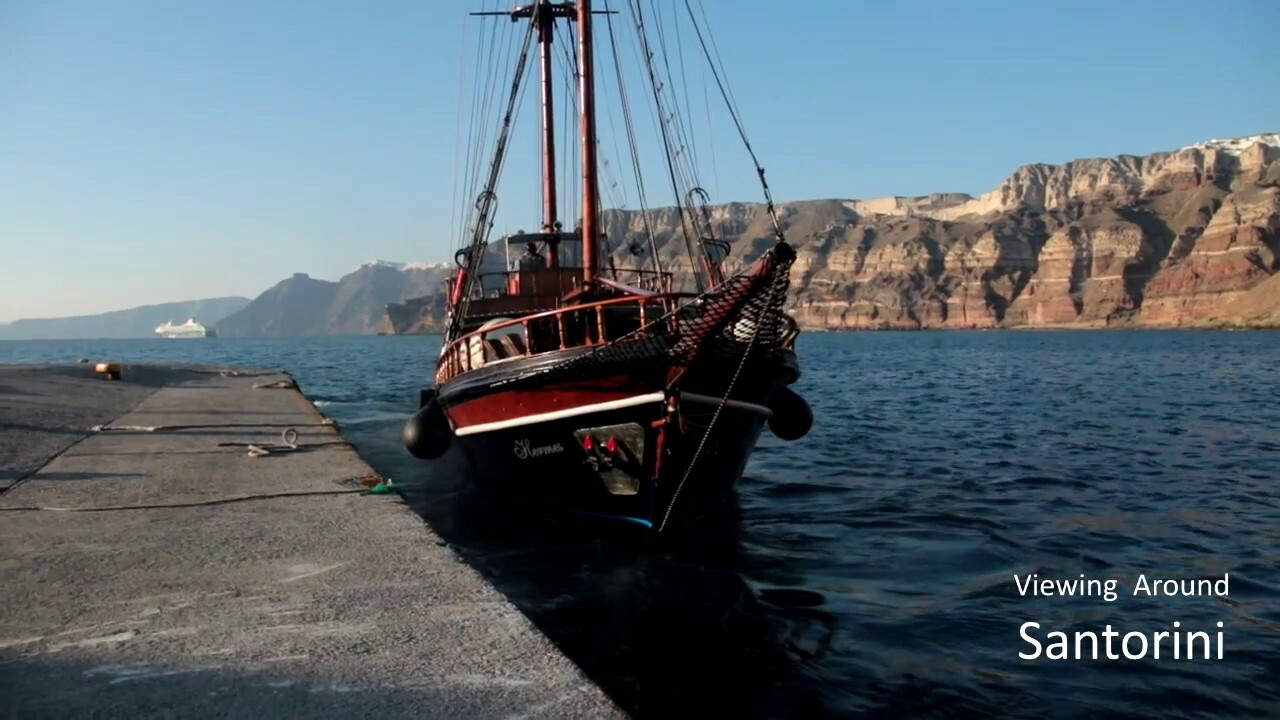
[188,329]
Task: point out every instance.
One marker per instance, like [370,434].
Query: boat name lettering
[524,449]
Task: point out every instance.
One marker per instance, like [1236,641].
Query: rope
[667,143]
[163,428]
[755,331]
[194,503]
[486,80]
[733,113]
[484,204]
[676,117]
[692,137]
[260,449]
[457,141]
[632,146]
[288,437]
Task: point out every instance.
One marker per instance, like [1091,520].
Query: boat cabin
[543,271]
[544,277]
[542,265]
[539,270]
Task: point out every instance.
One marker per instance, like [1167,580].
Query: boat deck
[330,604]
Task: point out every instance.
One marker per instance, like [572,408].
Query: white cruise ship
[188,329]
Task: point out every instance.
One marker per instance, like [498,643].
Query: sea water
[882,566]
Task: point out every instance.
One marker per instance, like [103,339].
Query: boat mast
[543,14]
[545,21]
[545,17]
[590,207]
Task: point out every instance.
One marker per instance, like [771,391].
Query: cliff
[1258,307]
[139,322]
[354,305]
[1183,238]
[416,316]
[420,314]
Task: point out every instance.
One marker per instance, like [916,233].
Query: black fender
[427,434]
[792,417]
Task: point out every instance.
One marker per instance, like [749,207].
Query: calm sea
[869,569]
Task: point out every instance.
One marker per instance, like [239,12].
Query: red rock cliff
[1181,238]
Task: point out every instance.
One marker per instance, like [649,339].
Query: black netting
[744,314]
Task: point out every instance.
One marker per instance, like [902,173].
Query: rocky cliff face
[416,316]
[1168,239]
[354,305]
[419,313]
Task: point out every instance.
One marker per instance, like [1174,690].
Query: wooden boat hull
[531,446]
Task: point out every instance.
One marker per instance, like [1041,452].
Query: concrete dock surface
[158,568]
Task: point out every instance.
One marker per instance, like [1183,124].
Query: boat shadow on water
[654,620]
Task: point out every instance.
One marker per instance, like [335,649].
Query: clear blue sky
[166,150]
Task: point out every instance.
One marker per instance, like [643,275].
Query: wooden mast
[590,202]
[545,17]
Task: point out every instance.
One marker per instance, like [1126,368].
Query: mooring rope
[755,331]
[375,490]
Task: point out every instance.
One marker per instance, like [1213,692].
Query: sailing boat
[571,384]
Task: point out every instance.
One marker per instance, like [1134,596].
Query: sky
[163,150]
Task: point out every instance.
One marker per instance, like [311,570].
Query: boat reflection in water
[643,625]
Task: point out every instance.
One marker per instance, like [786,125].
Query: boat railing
[555,282]
[584,325]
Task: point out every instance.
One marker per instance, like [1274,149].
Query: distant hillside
[139,322]
[1184,238]
[354,305]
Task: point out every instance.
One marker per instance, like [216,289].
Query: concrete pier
[157,567]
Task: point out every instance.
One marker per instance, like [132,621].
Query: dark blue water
[868,569]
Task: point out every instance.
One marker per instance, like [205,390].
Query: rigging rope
[498,72]
[684,83]
[689,169]
[632,146]
[570,65]
[666,140]
[485,203]
[479,107]
[457,141]
[733,112]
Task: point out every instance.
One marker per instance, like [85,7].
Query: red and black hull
[652,427]
[663,468]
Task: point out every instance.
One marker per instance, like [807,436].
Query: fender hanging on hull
[792,417]
[427,435]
